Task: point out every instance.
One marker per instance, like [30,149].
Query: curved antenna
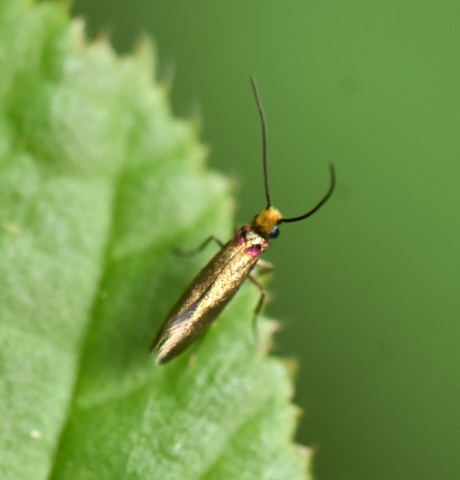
[320,204]
[264,140]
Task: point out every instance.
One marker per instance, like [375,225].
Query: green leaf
[98,185]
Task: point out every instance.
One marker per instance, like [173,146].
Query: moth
[221,278]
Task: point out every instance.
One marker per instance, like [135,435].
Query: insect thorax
[254,243]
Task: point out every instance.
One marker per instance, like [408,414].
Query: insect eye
[274,232]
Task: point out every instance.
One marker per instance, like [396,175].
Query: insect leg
[264,265]
[260,304]
[200,247]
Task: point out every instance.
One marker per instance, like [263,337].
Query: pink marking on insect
[257,250]
[240,237]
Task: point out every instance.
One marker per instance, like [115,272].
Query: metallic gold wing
[208,294]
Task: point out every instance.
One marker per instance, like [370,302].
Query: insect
[221,278]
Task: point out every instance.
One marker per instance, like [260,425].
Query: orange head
[266,222]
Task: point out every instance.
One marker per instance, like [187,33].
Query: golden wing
[208,294]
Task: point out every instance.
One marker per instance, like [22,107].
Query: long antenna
[320,204]
[264,140]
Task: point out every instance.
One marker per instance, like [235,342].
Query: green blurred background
[368,288]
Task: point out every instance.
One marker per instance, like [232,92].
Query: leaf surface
[99,183]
